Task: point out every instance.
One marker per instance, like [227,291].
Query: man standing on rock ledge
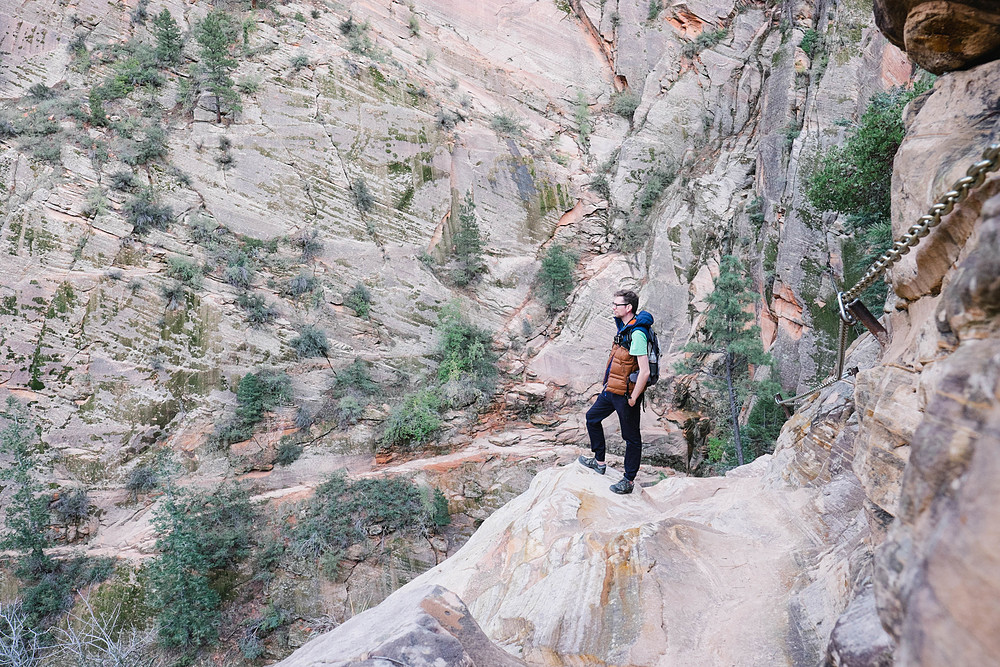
[625,379]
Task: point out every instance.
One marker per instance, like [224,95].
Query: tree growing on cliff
[217,33]
[555,278]
[168,38]
[855,179]
[728,340]
[201,538]
[467,244]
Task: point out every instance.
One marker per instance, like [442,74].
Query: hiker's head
[625,303]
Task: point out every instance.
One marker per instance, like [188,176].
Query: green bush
[356,378]
[624,104]
[136,66]
[465,349]
[507,124]
[184,271]
[555,278]
[174,294]
[809,40]
[364,200]
[581,116]
[638,227]
[239,270]
[707,39]
[349,410]
[855,179]
[358,39]
[40,92]
[655,7]
[124,181]
[299,285]
[414,421]
[359,299]
[145,213]
[307,241]
[439,514]
[256,309]
[311,342]
[153,146]
[73,505]
[600,185]
[256,394]
[300,61]
[201,538]
[142,479]
[289,452]
[342,510]
[47,149]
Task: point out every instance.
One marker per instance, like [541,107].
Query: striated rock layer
[872,535]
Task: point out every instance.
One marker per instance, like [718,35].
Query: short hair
[630,297]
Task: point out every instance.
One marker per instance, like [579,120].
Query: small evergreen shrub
[465,349]
[40,92]
[256,394]
[142,479]
[145,213]
[356,378]
[256,309]
[311,342]
[809,40]
[184,271]
[174,294]
[124,181]
[507,124]
[299,285]
[288,452]
[555,278]
[364,200]
[706,40]
[624,104]
[299,62]
[414,421]
[349,410]
[655,7]
[359,299]
[73,506]
[307,241]
[342,511]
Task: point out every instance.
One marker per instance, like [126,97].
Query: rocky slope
[731,108]
[877,499]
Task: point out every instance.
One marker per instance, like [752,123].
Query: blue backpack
[652,345]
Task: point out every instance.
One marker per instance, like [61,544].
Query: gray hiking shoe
[623,486]
[593,464]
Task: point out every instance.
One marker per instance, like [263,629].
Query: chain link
[974,177]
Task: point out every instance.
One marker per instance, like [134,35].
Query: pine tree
[468,244]
[555,278]
[168,38]
[27,516]
[200,536]
[727,331]
[217,33]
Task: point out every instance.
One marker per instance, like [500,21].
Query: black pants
[628,417]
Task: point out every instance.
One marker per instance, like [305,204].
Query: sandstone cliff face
[880,490]
[112,368]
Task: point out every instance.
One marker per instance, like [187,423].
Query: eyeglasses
[618,305]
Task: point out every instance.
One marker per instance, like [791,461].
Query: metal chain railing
[974,177]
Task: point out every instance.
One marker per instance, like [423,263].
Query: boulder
[423,626]
[942,35]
